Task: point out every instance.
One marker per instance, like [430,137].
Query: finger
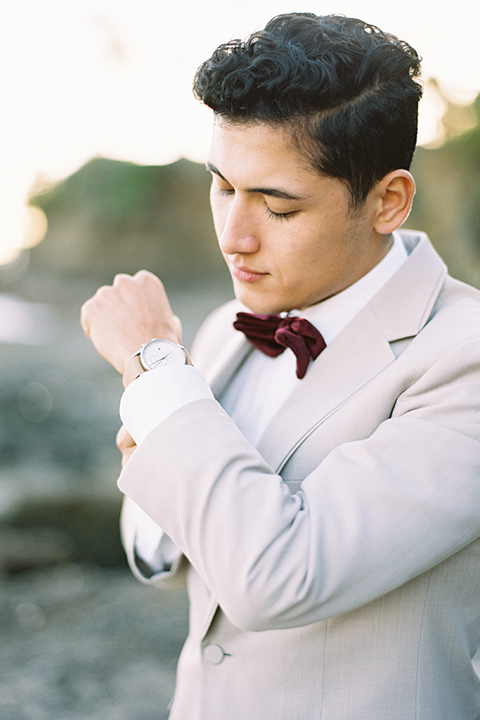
[124,440]
[178,326]
[84,321]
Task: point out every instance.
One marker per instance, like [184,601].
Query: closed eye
[279,216]
[225,190]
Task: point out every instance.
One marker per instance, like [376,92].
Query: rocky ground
[82,643]
[81,638]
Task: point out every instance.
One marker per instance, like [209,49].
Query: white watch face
[161,353]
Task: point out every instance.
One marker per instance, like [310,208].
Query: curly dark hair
[346,91]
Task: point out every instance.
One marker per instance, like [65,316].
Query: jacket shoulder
[458,310]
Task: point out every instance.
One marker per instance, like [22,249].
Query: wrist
[133,370]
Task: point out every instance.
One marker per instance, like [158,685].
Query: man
[323,503]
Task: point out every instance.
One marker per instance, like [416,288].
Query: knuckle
[120,279]
[99,294]
[147,277]
[86,308]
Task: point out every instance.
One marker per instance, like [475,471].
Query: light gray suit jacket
[334,570]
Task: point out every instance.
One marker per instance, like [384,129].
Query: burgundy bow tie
[272,334]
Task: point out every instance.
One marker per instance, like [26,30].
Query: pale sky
[81,78]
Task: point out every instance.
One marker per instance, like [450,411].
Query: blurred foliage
[448,193]
[115,216]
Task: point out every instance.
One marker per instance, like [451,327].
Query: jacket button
[213,654]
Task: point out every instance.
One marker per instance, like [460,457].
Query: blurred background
[102,146]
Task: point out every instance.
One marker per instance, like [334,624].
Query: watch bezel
[144,349]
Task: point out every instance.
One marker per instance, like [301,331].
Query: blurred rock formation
[113,216]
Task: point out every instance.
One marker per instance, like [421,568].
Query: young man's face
[287,233]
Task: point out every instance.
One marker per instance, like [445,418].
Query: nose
[237,233]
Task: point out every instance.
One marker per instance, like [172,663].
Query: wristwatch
[154,354]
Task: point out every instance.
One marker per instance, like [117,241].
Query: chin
[263,306]
[262,303]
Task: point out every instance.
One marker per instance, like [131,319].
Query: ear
[394,194]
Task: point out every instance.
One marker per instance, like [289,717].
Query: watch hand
[155,361]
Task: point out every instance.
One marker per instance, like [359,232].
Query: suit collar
[404,304]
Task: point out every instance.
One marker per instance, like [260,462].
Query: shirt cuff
[156,394]
[152,545]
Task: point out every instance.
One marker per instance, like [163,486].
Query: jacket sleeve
[374,514]
[164,564]
[143,406]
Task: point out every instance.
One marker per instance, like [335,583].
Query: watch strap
[133,369]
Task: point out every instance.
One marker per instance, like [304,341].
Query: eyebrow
[271,192]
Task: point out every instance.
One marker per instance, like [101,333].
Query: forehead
[256,146]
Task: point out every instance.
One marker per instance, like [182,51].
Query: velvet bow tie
[272,334]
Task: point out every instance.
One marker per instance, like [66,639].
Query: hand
[120,318]
[126,444]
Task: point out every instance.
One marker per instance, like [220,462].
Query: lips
[246,274]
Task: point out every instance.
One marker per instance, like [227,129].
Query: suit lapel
[349,362]
[223,367]
[361,351]
[404,304]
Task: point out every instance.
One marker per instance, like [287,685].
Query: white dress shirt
[254,395]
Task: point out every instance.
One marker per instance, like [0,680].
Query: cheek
[309,261]
[305,251]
